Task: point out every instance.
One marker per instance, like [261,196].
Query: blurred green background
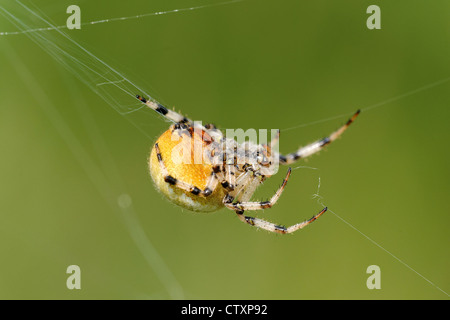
[75,187]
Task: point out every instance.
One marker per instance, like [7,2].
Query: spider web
[119,92]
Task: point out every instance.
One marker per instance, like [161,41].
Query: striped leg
[229,181]
[169,114]
[242,206]
[259,223]
[317,145]
[239,208]
[210,185]
[242,182]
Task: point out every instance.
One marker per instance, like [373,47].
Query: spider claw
[141,98]
[353,117]
[320,213]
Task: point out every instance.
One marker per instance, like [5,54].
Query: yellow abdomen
[182,156]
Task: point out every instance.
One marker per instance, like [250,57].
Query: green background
[71,165]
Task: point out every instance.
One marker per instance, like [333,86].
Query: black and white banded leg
[229,180]
[316,146]
[259,223]
[210,185]
[169,114]
[242,206]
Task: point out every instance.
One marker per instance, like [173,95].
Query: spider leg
[259,223]
[242,206]
[229,181]
[210,185]
[241,182]
[169,114]
[316,146]
[210,126]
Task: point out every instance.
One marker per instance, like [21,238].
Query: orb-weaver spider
[219,180]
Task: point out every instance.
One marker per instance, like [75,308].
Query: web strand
[139,16]
[319,199]
[373,106]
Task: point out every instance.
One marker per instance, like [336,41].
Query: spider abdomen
[182,153]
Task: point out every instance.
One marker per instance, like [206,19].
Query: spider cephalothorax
[198,168]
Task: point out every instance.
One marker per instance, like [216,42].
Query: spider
[227,174]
